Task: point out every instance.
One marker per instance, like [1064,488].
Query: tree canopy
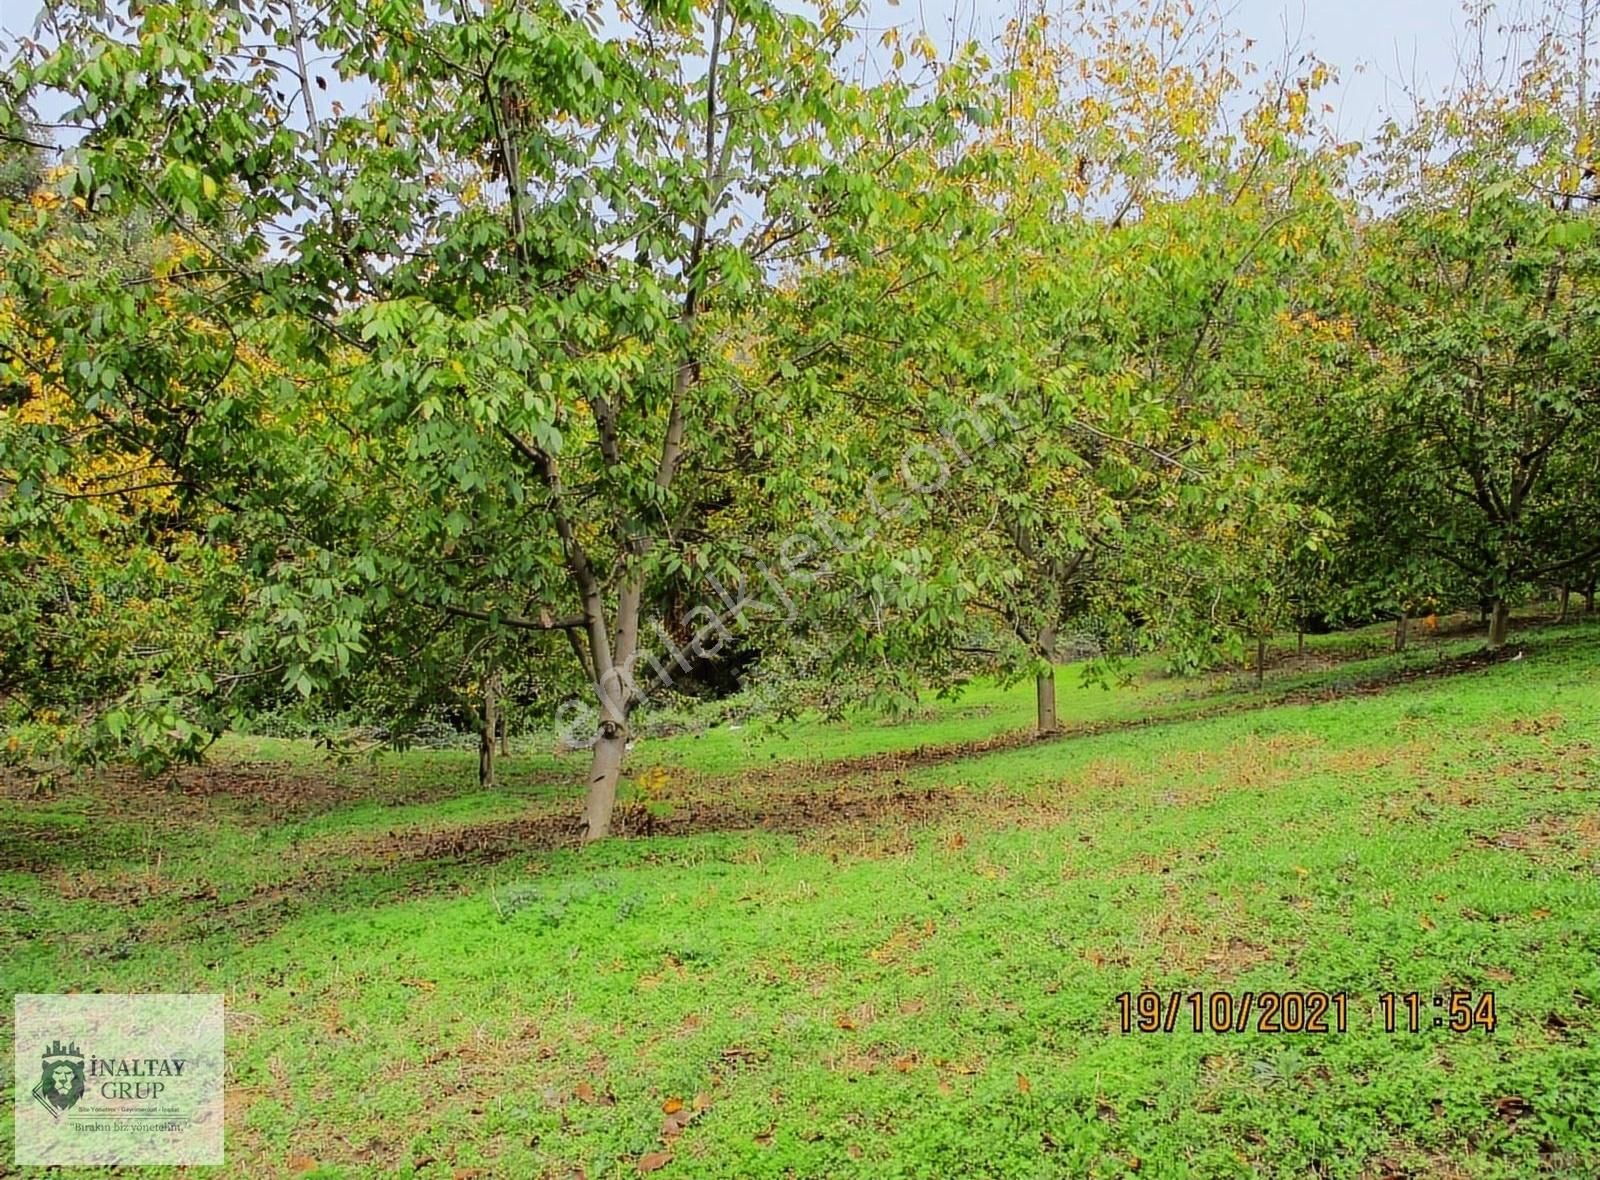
[403,358]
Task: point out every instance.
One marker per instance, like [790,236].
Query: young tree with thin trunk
[1075,361]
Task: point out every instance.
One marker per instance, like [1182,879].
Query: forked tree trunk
[486,729]
[1044,685]
[612,650]
[610,747]
[1499,624]
[1402,630]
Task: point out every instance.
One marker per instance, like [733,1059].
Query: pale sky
[1375,45]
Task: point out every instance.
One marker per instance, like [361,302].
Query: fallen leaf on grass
[301,1163]
[680,1116]
[654,1161]
[584,1092]
[1024,1086]
[1513,1107]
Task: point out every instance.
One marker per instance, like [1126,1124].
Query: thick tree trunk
[1261,660]
[1566,602]
[609,749]
[486,731]
[1499,624]
[1402,630]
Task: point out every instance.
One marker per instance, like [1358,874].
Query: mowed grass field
[885,949]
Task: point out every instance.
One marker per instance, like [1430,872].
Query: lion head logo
[60,1079]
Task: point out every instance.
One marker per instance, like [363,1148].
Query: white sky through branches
[1378,47]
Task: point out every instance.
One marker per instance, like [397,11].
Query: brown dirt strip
[864,817]
[790,813]
[348,865]
[921,757]
[759,799]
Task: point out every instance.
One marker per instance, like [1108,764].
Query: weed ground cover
[829,958]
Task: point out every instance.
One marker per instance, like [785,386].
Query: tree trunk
[1566,602]
[1402,630]
[505,736]
[1588,599]
[1044,685]
[1499,624]
[1261,660]
[609,748]
[1044,691]
[486,731]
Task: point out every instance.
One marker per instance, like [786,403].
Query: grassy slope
[884,997]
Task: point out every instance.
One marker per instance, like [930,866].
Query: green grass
[926,988]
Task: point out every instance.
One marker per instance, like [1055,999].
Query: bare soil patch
[1551,835]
